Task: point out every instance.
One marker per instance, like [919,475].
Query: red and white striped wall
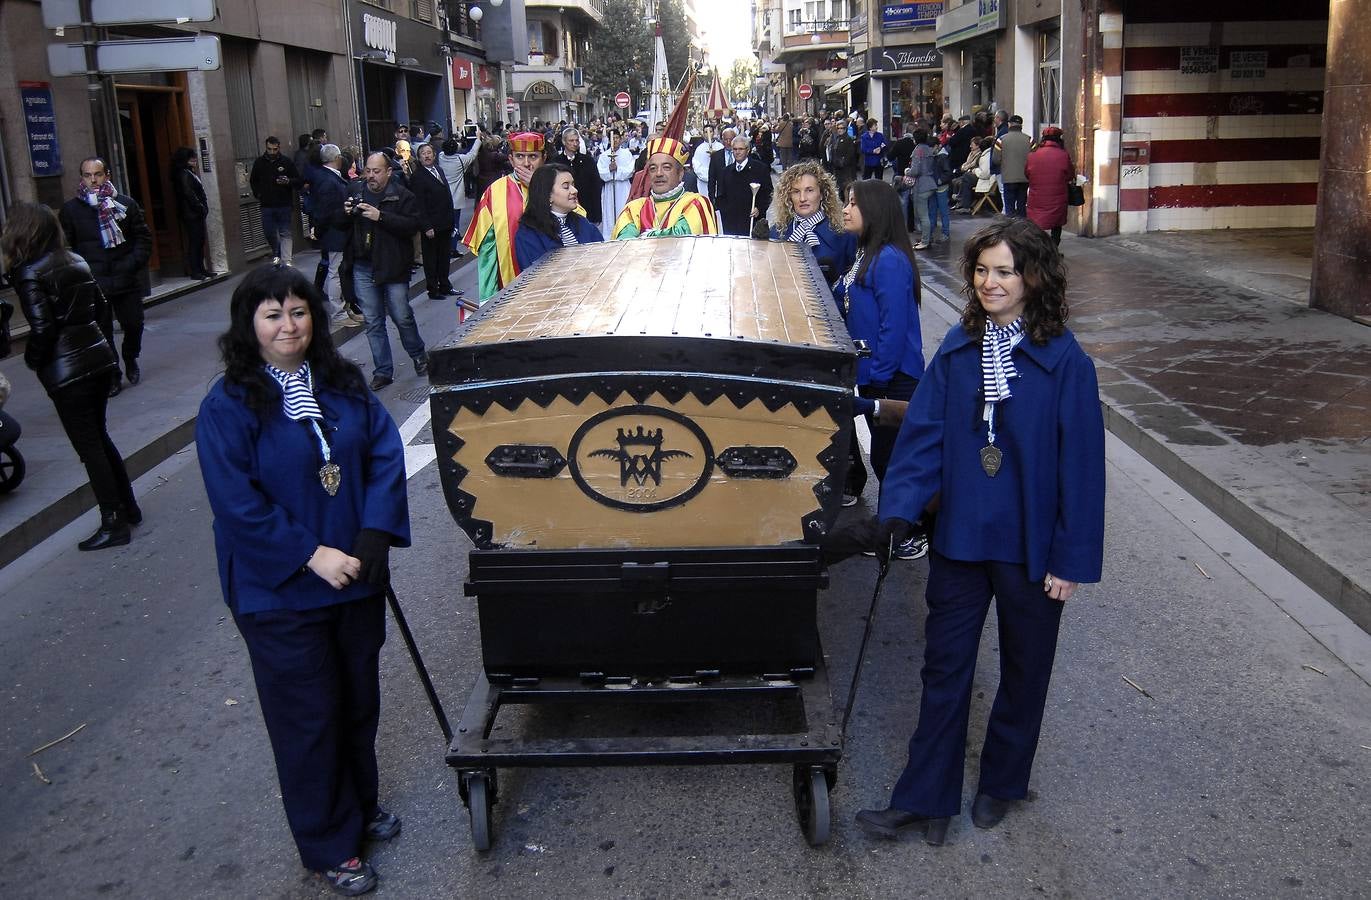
[1236,148]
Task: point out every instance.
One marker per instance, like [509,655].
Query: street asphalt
[1208,731]
[1240,773]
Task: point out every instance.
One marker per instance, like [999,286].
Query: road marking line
[418,456]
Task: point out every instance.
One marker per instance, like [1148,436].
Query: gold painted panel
[559,513]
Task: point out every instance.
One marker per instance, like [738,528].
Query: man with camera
[380,251]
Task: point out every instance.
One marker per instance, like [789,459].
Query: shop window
[1050,77]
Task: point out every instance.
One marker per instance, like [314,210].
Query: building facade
[551,86]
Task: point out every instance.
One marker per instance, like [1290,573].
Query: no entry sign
[806,91]
[622,99]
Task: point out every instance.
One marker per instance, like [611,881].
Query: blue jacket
[331,224]
[530,244]
[873,143]
[270,511]
[835,252]
[883,310]
[1045,508]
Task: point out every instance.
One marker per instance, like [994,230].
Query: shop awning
[844,84]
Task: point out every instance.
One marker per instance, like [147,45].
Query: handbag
[1075,194]
[6,311]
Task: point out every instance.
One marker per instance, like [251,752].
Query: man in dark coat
[736,204]
[844,158]
[433,195]
[958,149]
[380,253]
[717,161]
[108,230]
[273,181]
[192,208]
[332,227]
[583,171]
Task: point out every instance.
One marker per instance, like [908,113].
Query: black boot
[133,514]
[320,276]
[132,372]
[114,531]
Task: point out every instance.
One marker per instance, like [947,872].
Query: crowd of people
[304,467]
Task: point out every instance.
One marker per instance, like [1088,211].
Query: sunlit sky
[727,27]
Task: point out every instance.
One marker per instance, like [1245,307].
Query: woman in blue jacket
[550,218]
[809,212]
[880,293]
[305,473]
[1005,431]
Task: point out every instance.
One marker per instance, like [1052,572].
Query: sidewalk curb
[72,505]
[1322,576]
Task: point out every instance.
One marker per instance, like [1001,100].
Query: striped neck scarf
[803,229]
[109,210]
[298,392]
[568,236]
[996,366]
[851,275]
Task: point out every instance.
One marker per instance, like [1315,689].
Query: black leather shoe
[133,514]
[132,372]
[987,811]
[421,365]
[115,387]
[380,381]
[891,823]
[113,532]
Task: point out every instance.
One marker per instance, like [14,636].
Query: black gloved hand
[890,534]
[372,548]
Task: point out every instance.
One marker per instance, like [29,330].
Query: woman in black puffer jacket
[67,349]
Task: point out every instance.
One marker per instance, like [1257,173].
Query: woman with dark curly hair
[1005,431]
[550,218]
[305,473]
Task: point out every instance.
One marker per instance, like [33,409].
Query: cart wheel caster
[11,469]
[811,803]
[479,795]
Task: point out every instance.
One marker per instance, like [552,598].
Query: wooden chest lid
[704,286]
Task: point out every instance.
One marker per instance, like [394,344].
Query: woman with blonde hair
[808,211]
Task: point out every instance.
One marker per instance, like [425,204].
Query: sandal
[351,878]
[382,826]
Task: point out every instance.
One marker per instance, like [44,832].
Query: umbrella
[717,105]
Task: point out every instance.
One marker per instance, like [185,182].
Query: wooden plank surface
[721,287]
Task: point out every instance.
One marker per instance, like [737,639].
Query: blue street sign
[903,16]
[45,153]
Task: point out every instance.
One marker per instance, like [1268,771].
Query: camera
[470,132]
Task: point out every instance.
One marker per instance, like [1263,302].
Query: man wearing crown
[496,217]
[668,208]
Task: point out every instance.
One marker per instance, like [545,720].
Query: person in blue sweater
[1005,431]
[873,146]
[551,216]
[305,474]
[880,293]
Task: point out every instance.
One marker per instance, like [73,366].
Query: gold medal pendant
[991,457]
[331,477]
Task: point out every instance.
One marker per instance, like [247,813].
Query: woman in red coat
[1049,168]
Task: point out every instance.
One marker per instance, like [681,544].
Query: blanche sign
[900,59]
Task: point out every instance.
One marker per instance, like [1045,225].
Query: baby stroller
[11,460]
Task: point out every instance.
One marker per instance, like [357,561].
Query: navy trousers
[318,682]
[959,595]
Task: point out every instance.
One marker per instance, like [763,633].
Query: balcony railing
[816,26]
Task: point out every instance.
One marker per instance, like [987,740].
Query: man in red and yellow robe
[668,208]
[495,220]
